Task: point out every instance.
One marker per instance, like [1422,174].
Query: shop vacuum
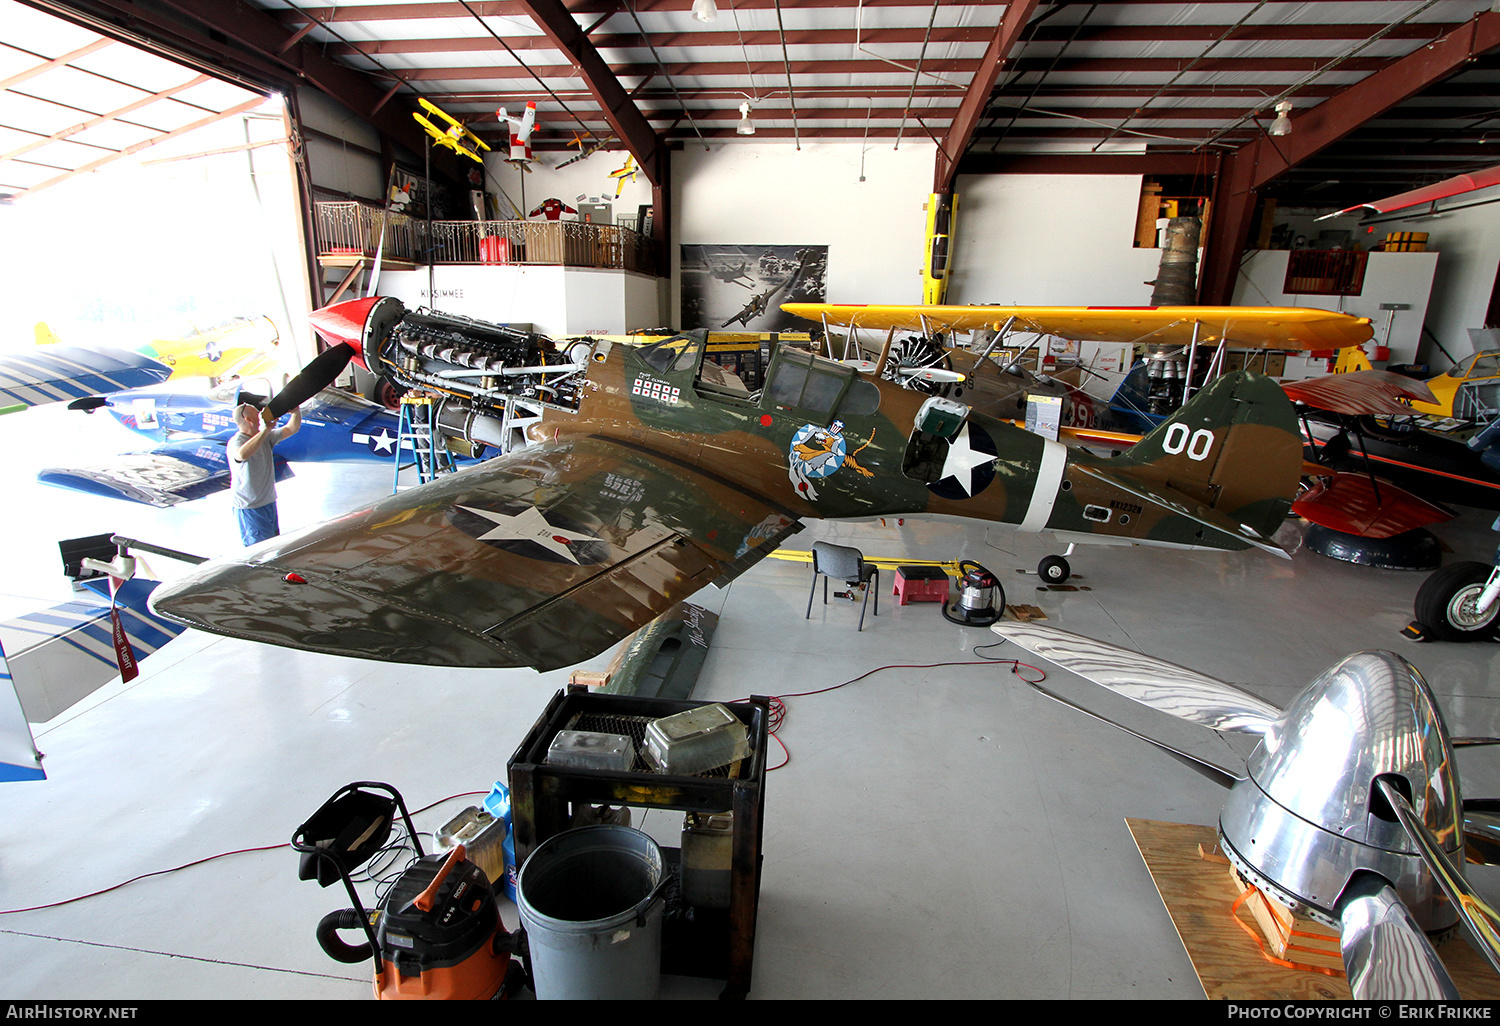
[977,605]
[437,933]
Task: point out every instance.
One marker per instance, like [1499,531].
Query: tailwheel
[1054,570]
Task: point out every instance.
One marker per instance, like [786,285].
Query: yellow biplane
[455,136]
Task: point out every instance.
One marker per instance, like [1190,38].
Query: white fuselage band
[1048,477]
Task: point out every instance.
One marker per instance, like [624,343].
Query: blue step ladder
[416,433]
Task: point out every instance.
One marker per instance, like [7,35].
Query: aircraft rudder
[1235,447]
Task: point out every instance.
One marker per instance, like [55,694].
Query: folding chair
[848,565]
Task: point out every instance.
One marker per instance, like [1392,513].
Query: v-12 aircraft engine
[487,376]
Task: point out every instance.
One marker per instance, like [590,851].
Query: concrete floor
[936,830]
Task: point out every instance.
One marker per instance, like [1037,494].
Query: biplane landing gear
[1451,604]
[1054,570]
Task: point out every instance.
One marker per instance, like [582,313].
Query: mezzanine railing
[350,229]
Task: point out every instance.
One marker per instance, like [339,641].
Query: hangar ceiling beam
[977,97]
[145,144]
[1256,164]
[246,42]
[624,117]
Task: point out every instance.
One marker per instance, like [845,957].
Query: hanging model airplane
[1349,810]
[650,477]
[455,137]
[620,174]
[520,136]
[586,149]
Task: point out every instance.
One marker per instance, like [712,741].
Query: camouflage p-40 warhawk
[656,470]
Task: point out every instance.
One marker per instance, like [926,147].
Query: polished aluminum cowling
[1308,817]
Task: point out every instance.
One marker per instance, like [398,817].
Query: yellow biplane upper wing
[1245,327]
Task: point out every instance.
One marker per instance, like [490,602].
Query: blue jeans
[258,524]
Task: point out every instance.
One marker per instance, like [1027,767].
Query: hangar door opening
[141,200]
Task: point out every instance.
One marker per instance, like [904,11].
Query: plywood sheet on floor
[1230,965]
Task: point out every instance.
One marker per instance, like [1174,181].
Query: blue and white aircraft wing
[60,655]
[50,374]
[175,472]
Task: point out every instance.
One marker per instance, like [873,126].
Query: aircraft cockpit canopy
[817,387]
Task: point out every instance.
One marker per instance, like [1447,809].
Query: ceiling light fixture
[705,10]
[1283,124]
[746,126]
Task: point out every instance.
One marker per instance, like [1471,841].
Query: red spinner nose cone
[344,322]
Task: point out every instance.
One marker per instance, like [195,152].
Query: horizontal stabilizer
[1231,533]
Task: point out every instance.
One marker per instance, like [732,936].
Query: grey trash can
[591,902]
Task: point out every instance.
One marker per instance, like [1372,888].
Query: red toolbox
[920,584]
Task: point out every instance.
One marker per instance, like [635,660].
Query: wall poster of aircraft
[743,287]
[651,475]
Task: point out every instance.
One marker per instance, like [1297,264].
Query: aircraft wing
[542,557]
[1245,327]
[1351,503]
[1374,392]
[52,374]
[175,472]
[1455,186]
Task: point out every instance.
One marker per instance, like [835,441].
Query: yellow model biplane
[455,137]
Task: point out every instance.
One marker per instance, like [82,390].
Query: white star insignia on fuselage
[961,460]
[530,526]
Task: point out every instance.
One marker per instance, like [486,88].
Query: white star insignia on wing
[531,526]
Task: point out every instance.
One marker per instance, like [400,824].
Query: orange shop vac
[437,932]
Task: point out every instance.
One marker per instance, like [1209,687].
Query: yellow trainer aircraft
[242,347]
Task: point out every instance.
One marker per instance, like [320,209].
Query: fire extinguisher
[981,599]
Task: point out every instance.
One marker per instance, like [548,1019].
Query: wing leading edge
[52,374]
[540,558]
[1266,327]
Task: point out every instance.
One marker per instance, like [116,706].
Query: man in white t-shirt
[252,470]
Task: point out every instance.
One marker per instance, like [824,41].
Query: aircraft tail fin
[1352,358]
[1231,458]
[45,336]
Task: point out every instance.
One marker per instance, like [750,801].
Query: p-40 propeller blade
[1156,683]
[1475,912]
[1387,957]
[315,377]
